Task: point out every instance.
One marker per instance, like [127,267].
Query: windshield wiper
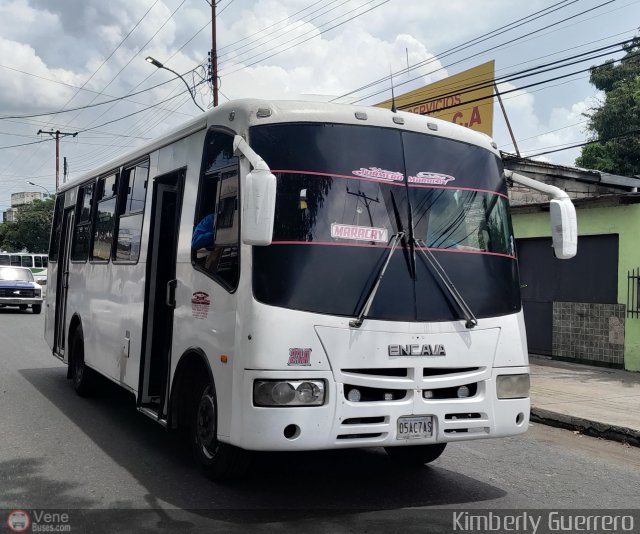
[357,322]
[471,320]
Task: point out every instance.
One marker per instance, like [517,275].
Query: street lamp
[43,187]
[159,65]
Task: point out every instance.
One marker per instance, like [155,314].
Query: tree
[617,118]
[31,230]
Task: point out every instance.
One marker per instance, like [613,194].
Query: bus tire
[218,461]
[37,308]
[81,376]
[415,455]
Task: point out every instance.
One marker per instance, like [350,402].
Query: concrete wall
[589,331]
[622,220]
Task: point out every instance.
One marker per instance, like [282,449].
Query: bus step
[152,414]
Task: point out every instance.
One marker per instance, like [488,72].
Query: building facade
[17,200]
[586,309]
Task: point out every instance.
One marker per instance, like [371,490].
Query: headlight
[288,392]
[512,386]
[37,292]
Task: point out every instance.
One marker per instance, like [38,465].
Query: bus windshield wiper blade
[357,322]
[471,320]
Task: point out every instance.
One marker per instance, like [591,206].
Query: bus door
[62,282]
[160,292]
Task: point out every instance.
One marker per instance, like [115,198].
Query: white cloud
[16,90]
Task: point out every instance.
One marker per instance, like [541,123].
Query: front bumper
[17,301]
[340,423]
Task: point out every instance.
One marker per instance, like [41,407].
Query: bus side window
[82,230]
[131,212]
[45,261]
[26,261]
[216,235]
[4,259]
[37,261]
[15,260]
[105,215]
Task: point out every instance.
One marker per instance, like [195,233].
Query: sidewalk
[598,401]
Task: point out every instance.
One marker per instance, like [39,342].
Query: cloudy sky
[59,55]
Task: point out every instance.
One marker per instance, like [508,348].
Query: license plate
[415,427]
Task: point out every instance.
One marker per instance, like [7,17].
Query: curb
[586,426]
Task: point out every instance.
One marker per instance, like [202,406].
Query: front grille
[368,394]
[448,371]
[364,420]
[360,436]
[452,392]
[462,416]
[391,372]
[9,292]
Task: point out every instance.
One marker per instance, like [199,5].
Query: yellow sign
[465,98]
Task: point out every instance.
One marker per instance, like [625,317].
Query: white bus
[36,262]
[284,276]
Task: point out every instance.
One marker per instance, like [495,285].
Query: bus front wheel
[414,455]
[218,461]
[81,375]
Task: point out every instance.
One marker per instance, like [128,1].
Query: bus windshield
[344,192]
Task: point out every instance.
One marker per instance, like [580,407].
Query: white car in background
[40,278]
[18,288]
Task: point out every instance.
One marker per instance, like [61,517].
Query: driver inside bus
[203,233]
[203,242]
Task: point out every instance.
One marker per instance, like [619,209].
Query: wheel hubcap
[206,423]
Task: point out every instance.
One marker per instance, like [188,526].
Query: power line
[466,44]
[260,42]
[483,51]
[117,99]
[225,7]
[135,55]
[79,88]
[111,55]
[600,141]
[269,27]
[98,69]
[547,132]
[525,73]
[522,87]
[312,37]
[133,113]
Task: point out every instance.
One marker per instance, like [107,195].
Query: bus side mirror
[564,228]
[259,207]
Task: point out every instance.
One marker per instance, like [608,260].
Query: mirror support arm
[240,145]
[550,190]
[562,212]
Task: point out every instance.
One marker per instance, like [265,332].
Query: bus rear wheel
[81,376]
[414,455]
[218,461]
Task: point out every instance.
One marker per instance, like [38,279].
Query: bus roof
[245,115]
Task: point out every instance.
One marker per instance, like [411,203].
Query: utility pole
[366,201]
[504,112]
[214,53]
[57,135]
